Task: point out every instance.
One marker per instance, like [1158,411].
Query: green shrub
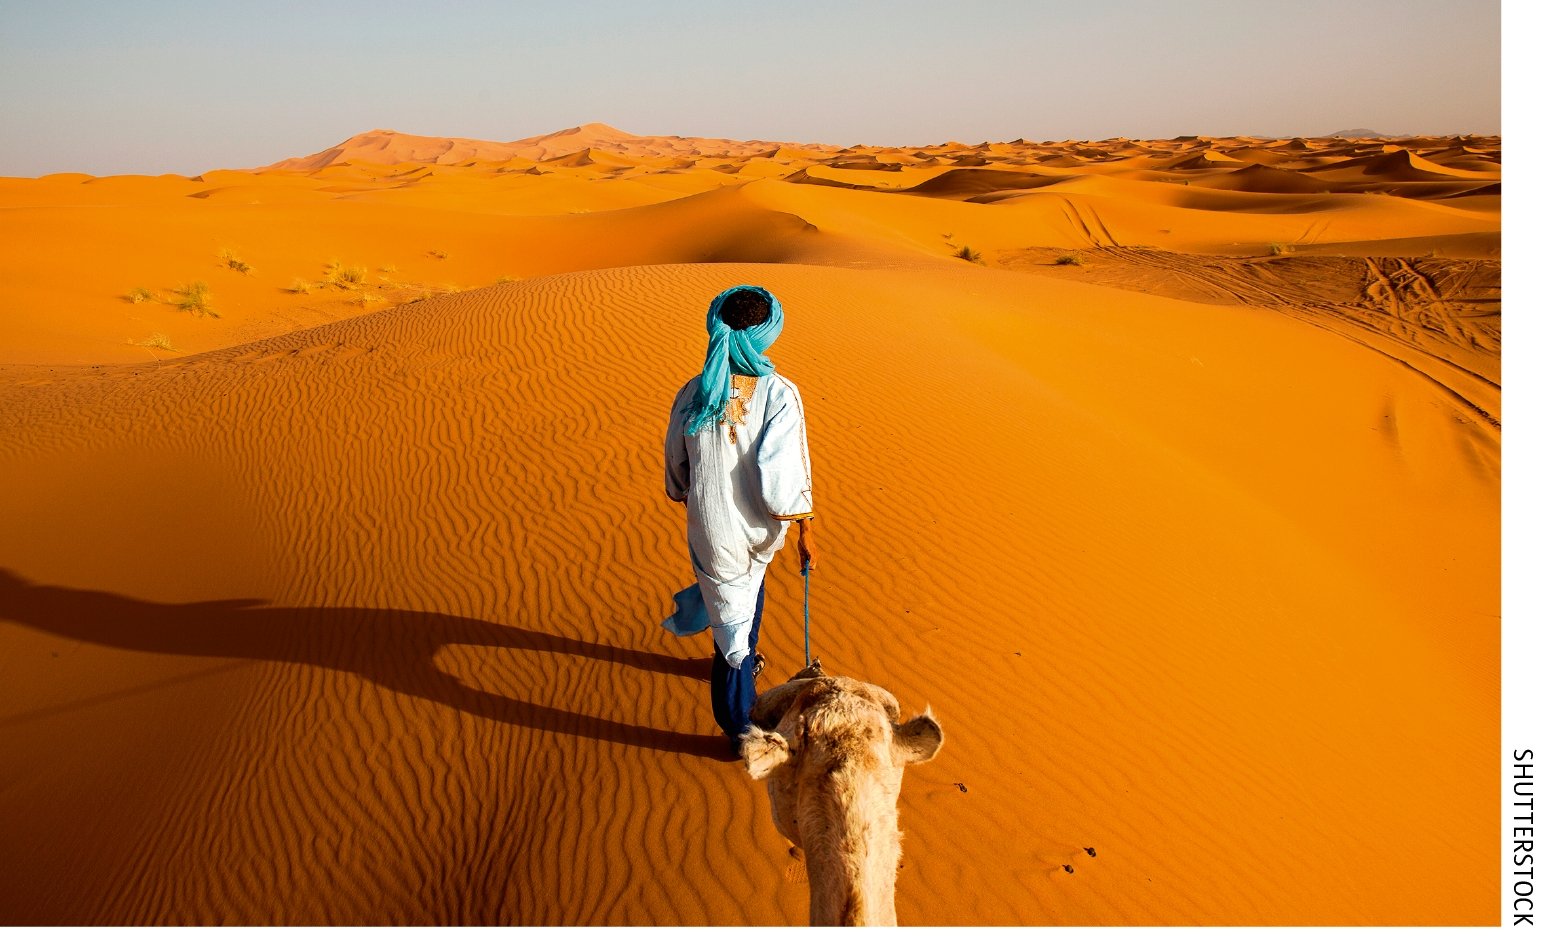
[195,298]
[345,278]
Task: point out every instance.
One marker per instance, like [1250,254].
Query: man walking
[737,458]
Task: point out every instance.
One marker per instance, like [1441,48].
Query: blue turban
[731,350]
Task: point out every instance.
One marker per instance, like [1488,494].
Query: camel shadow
[394,649]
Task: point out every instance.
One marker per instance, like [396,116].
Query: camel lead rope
[807,658]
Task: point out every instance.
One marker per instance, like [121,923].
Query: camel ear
[763,751]
[773,704]
[918,739]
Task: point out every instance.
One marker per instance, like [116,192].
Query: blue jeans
[732,689]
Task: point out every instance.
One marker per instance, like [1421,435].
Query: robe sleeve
[785,477]
[676,453]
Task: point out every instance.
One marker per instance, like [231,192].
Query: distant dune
[392,147]
[1360,133]
[1166,472]
[420,216]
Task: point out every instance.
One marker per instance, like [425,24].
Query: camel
[834,754]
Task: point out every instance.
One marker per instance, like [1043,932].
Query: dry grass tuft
[157,341]
[235,263]
[195,298]
[345,278]
[968,254]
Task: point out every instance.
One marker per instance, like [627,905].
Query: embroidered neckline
[738,403]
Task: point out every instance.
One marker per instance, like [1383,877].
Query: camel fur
[833,754]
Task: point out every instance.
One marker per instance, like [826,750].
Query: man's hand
[807,550]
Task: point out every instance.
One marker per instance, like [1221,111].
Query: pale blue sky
[182,87]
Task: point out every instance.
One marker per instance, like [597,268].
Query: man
[737,457]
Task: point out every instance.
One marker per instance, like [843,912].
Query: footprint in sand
[1066,864]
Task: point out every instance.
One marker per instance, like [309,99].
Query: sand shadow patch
[393,649]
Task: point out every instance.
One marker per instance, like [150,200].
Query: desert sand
[1166,472]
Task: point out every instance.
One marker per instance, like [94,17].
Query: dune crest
[421,216]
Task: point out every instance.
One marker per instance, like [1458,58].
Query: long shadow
[393,648]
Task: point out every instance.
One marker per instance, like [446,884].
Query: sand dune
[391,147]
[388,147]
[345,612]
[453,213]
[1256,178]
[1399,166]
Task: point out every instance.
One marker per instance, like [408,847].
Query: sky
[171,86]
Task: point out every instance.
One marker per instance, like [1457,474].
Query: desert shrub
[1278,248]
[300,286]
[1074,259]
[968,254]
[157,341]
[195,298]
[140,295]
[345,278]
[235,263]
[438,255]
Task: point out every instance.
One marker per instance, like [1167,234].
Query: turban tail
[731,350]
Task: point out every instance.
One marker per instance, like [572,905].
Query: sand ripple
[358,624]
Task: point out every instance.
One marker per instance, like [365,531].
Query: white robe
[740,496]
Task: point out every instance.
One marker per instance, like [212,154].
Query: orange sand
[343,608]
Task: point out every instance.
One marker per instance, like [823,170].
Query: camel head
[833,752]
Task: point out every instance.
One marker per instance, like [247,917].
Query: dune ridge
[393,147]
[428,215]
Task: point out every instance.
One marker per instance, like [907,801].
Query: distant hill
[586,144]
[391,147]
[1363,133]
